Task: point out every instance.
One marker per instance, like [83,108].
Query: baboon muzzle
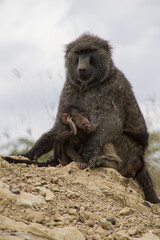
[84,68]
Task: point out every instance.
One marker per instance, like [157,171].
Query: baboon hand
[95,162]
[72,125]
[89,128]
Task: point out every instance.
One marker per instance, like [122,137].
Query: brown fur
[94,82]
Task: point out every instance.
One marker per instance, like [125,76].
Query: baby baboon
[71,137]
[94,82]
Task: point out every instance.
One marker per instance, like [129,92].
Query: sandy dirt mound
[66,203]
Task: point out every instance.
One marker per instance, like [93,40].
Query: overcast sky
[32,39]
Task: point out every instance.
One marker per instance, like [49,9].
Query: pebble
[81,218]
[5,202]
[126,211]
[71,194]
[72,211]
[111,220]
[14,190]
[105,224]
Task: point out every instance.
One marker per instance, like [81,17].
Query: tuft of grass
[20,145]
[153,158]
[153,151]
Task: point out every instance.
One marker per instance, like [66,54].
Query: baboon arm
[134,125]
[106,133]
[74,155]
[43,145]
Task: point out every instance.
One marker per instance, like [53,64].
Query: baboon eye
[84,115]
[78,52]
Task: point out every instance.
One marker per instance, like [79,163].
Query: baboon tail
[145,181]
[28,162]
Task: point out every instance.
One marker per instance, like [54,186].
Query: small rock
[56,189]
[7,194]
[58,219]
[94,216]
[132,231]
[71,194]
[101,231]
[28,188]
[28,200]
[54,180]
[81,218]
[126,211]
[105,224]
[67,220]
[14,190]
[70,171]
[111,220]
[90,223]
[85,214]
[116,236]
[46,193]
[68,233]
[60,182]
[147,204]
[110,237]
[148,236]
[72,211]
[156,231]
[5,202]
[49,196]
[37,184]
[33,216]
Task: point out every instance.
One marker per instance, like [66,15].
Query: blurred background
[32,42]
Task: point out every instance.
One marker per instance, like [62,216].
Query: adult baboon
[95,83]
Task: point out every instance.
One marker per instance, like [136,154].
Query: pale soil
[66,203]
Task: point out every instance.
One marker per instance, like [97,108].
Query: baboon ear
[64,117]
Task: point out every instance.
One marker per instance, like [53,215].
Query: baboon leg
[103,161]
[109,158]
[110,153]
[43,145]
[75,156]
[145,181]
[61,155]
[52,160]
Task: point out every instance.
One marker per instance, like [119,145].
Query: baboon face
[81,120]
[88,60]
[84,60]
[79,116]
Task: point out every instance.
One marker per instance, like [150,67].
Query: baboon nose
[84,73]
[82,70]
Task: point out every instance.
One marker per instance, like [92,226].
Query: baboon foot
[82,165]
[103,161]
[52,161]
[95,162]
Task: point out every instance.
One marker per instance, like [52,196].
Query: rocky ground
[65,203]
